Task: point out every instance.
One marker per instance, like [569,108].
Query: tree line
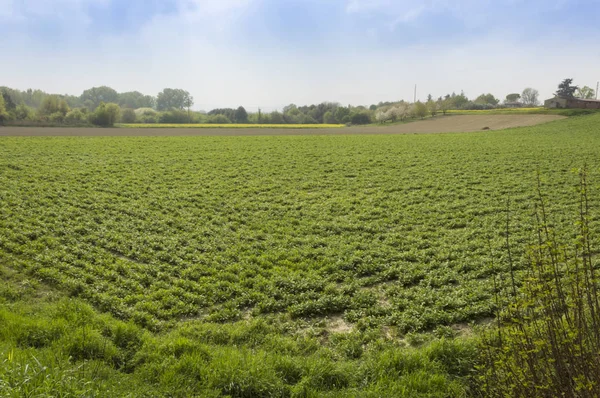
[104,106]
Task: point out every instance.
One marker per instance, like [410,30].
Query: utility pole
[415,97]
[597,86]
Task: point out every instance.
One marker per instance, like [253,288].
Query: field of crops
[376,237]
[230,126]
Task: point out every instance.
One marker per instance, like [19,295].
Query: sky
[270,53]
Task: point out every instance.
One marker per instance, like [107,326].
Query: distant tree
[75,116]
[128,116]
[340,113]
[171,98]
[444,104]
[486,99]
[585,93]
[565,89]
[146,115]
[53,104]
[328,118]
[229,113]
[218,119]
[402,110]
[432,106]
[105,115]
[360,117]
[174,116]
[371,108]
[3,112]
[97,95]
[8,101]
[187,103]
[530,97]
[420,109]
[135,100]
[276,118]
[382,116]
[23,112]
[514,97]
[458,101]
[241,116]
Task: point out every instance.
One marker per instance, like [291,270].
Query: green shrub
[106,115]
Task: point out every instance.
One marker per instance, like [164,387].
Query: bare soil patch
[438,124]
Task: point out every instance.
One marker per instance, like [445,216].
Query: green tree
[585,93]
[173,98]
[514,97]
[241,116]
[458,101]
[76,116]
[360,117]
[277,118]
[97,95]
[432,106]
[328,118]
[443,104]
[340,113]
[23,112]
[566,89]
[218,119]
[135,100]
[53,104]
[420,109]
[105,115]
[128,116]
[8,101]
[3,113]
[486,99]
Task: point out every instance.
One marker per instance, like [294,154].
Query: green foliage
[419,109]
[23,112]
[135,100]
[566,89]
[241,116]
[53,105]
[173,99]
[217,119]
[146,115]
[76,116]
[328,118]
[514,97]
[95,96]
[128,116]
[173,116]
[359,118]
[105,115]
[3,112]
[486,99]
[546,341]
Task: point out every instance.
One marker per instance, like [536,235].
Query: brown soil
[438,124]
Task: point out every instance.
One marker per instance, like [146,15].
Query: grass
[221,265]
[231,126]
[525,111]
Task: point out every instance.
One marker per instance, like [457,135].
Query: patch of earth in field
[337,324]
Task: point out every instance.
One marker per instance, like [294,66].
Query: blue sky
[270,53]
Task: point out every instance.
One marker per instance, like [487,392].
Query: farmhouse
[558,102]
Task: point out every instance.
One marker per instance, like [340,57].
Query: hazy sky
[270,53]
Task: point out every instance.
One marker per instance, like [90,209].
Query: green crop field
[267,265]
